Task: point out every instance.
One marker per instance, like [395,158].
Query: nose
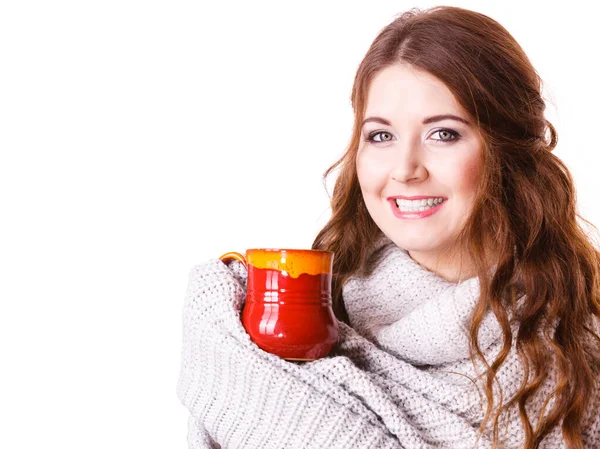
[408,164]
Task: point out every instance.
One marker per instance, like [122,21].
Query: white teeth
[417,205]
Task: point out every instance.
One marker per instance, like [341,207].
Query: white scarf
[413,313]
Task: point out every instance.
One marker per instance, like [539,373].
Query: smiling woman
[468,296]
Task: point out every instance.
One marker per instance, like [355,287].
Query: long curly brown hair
[526,204]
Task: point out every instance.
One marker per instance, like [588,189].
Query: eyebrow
[426,121]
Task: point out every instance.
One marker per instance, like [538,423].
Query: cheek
[369,173]
[362,171]
[468,175]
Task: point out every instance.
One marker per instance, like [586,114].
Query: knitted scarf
[399,377]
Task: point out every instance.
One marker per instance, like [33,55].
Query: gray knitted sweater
[399,377]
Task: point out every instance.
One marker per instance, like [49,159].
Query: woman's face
[417,166]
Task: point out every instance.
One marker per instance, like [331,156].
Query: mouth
[420,208]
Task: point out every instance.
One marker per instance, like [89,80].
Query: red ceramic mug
[288,310]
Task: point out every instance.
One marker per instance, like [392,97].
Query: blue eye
[451,135]
[446,136]
[371,137]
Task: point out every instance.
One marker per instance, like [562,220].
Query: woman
[467,293]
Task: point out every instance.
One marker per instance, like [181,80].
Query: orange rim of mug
[294,261]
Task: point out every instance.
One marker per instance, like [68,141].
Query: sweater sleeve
[198,437]
[360,396]
[243,397]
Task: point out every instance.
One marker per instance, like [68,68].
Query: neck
[450,267]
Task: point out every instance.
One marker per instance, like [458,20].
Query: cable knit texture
[399,377]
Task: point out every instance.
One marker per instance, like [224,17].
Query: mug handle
[228,257]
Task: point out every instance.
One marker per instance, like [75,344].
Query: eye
[447,135]
[385,136]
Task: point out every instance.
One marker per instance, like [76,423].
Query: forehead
[402,89]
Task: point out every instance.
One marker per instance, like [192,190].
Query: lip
[414,215]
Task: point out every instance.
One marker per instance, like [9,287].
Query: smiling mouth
[418,205]
[416,209]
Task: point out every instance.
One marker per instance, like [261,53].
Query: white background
[139,138]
